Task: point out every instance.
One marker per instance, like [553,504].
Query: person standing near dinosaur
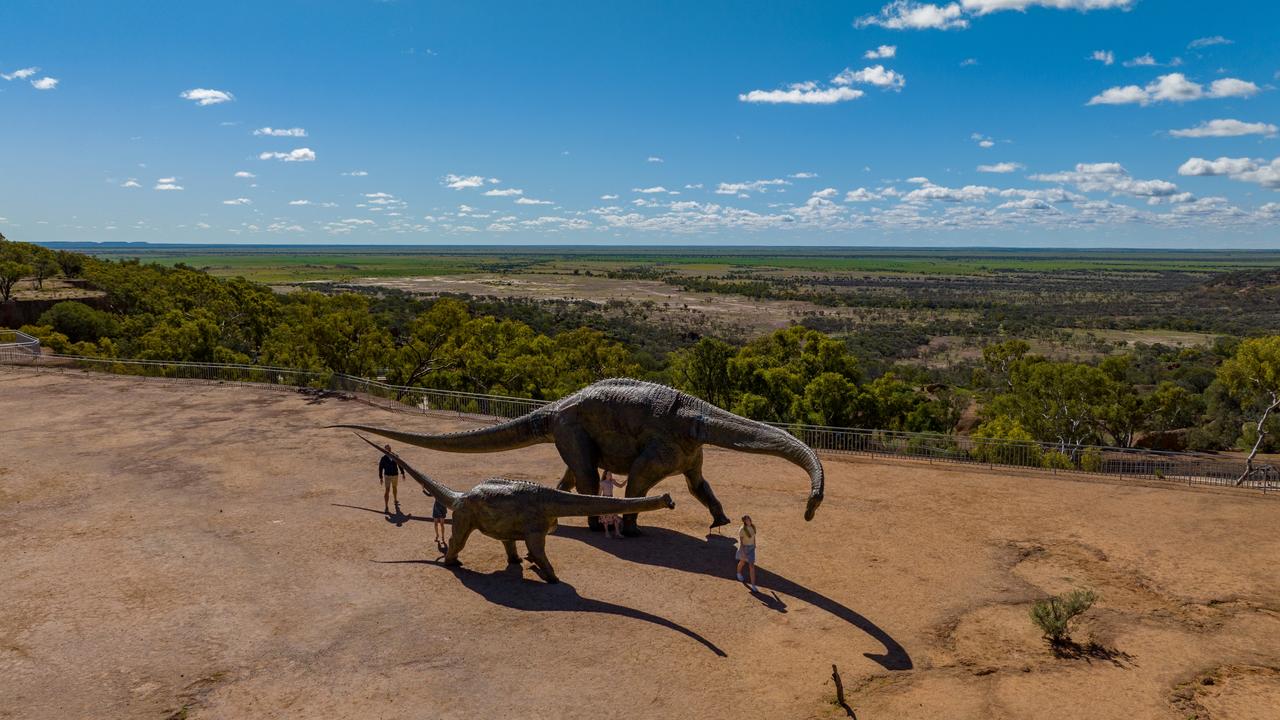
[438,513]
[607,484]
[389,478]
[747,550]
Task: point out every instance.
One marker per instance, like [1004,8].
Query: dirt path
[167,546]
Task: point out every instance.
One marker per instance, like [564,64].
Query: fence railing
[13,341]
[1174,467]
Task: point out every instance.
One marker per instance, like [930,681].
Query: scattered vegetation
[1054,615]
[857,369]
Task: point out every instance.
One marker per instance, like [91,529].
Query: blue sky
[1114,123]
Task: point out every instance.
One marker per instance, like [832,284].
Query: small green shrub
[1091,460]
[1056,460]
[1053,615]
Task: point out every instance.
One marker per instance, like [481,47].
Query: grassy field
[302,263]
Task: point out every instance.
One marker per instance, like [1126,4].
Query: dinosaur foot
[720,521]
[453,563]
[632,531]
[593,522]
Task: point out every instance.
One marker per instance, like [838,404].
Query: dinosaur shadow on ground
[509,588]
[713,556]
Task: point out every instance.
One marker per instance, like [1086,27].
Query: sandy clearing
[166,545]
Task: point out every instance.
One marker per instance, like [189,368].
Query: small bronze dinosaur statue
[643,430]
[512,510]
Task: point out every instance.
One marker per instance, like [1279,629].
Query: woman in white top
[747,550]
[607,484]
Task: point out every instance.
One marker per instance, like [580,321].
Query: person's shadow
[509,588]
[396,518]
[668,548]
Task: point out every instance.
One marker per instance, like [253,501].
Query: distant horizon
[613,247]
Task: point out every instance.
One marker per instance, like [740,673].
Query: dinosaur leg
[513,557]
[648,470]
[701,489]
[579,453]
[537,544]
[458,540]
[567,482]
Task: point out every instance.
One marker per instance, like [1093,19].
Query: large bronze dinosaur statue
[514,510]
[644,430]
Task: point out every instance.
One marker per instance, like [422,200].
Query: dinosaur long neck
[511,435]
[726,430]
[584,505]
[447,496]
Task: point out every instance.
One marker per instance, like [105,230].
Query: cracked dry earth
[203,551]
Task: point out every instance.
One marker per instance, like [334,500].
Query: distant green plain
[277,264]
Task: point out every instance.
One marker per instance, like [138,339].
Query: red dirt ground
[179,550]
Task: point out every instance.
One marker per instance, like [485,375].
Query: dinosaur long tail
[510,435]
[726,430]
[572,504]
[448,496]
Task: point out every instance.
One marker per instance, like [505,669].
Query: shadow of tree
[713,556]
[509,588]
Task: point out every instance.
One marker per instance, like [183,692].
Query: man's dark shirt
[387,466]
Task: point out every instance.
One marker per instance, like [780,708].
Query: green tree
[79,322]
[703,370]
[1064,403]
[10,273]
[44,268]
[70,263]
[1252,376]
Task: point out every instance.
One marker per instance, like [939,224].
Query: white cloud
[295,155]
[168,184]
[874,75]
[1225,128]
[650,190]
[1109,177]
[654,159]
[1002,167]
[1106,57]
[130,183]
[1242,169]
[914,15]
[748,187]
[608,197]
[797,176]
[968,193]
[356,173]
[22,74]
[1174,87]
[805,93]
[1208,41]
[299,202]
[1141,61]
[982,140]
[245,174]
[910,15]
[882,52]
[461,182]
[281,132]
[238,201]
[504,192]
[531,201]
[861,195]
[45,83]
[1232,87]
[206,96]
[825,193]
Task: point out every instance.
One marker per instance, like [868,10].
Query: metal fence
[1173,467]
[18,343]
